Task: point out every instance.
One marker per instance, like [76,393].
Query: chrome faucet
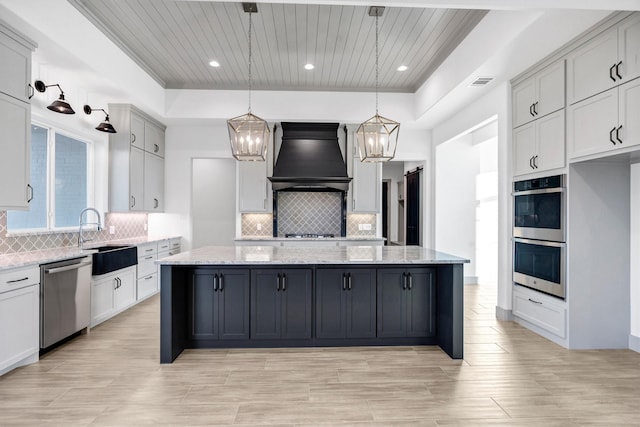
[81,240]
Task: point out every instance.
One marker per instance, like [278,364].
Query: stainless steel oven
[540,265]
[539,208]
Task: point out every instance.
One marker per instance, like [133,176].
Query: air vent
[481,81]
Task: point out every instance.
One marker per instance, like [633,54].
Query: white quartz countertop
[252,255]
[26,259]
[310,239]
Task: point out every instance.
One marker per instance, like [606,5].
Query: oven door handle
[541,191]
[540,242]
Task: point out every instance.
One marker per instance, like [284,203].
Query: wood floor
[509,377]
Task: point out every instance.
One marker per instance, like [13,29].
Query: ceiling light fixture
[105,126]
[309,66]
[402,68]
[248,134]
[214,64]
[378,136]
[59,105]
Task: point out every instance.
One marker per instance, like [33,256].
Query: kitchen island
[265,296]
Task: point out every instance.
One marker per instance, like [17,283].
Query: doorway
[385,210]
[413,200]
[213,206]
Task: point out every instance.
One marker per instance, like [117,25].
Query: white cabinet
[112,293]
[539,95]
[543,311]
[366,185]
[147,284]
[136,161]
[253,187]
[608,60]
[19,317]
[605,122]
[15,118]
[539,146]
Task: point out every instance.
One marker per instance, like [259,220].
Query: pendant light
[60,105]
[248,134]
[104,126]
[377,137]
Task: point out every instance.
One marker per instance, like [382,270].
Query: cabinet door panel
[550,139]
[137,131]
[252,185]
[589,124]
[204,324]
[102,300]
[330,304]
[15,69]
[361,307]
[125,295]
[153,139]
[524,95]
[550,82]
[15,148]
[421,304]
[629,107]
[233,304]
[136,183]
[153,183]
[588,67]
[392,316]
[296,304]
[19,325]
[265,305]
[524,148]
[629,49]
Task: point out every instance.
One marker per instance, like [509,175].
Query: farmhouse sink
[113,257]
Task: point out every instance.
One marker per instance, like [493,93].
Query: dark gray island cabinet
[222,297]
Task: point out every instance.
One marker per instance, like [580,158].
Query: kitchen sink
[113,257]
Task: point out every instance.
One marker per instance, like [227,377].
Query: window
[60,180]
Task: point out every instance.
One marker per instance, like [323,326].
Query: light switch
[112,229]
[259,227]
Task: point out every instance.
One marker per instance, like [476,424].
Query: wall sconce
[105,126]
[59,105]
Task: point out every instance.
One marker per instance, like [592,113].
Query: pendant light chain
[376,64]
[249,62]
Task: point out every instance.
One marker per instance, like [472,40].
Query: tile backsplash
[309,212]
[126,225]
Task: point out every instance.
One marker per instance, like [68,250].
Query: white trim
[634,343]
[504,314]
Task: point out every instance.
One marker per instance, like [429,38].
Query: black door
[295,291]
[204,323]
[361,303]
[233,304]
[420,303]
[413,207]
[265,304]
[392,304]
[385,211]
[330,303]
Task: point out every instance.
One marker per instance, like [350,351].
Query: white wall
[634,297]
[393,171]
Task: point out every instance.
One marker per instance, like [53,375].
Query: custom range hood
[310,158]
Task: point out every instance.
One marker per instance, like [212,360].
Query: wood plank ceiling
[174,41]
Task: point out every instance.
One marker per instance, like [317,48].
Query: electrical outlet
[366,227]
[259,227]
[360,227]
[145,226]
[112,229]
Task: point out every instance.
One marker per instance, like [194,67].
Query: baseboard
[503,314]
[634,343]
[470,280]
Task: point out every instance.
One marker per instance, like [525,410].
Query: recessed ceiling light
[214,64]
[402,68]
[309,66]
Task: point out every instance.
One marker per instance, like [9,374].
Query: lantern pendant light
[377,137]
[248,134]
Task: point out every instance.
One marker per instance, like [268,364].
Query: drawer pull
[534,301]
[149,250]
[148,278]
[18,280]
[149,257]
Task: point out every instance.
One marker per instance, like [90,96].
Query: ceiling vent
[481,81]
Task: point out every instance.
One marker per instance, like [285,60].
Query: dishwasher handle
[66,268]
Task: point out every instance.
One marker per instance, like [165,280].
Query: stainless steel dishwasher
[65,299]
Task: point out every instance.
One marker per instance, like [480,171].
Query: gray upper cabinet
[539,95]
[136,161]
[15,119]
[606,61]
[253,187]
[366,185]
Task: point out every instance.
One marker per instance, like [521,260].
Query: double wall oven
[539,234]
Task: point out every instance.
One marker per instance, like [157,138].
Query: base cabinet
[220,304]
[345,303]
[281,303]
[406,302]
[541,310]
[112,293]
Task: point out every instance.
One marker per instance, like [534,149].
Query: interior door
[413,208]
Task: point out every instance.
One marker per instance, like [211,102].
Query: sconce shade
[105,126]
[249,136]
[61,106]
[377,139]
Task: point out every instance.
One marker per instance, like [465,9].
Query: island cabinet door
[265,304]
[392,303]
[204,324]
[421,300]
[233,304]
[361,303]
[295,291]
[331,303]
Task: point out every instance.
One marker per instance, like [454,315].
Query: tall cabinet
[136,161]
[15,118]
